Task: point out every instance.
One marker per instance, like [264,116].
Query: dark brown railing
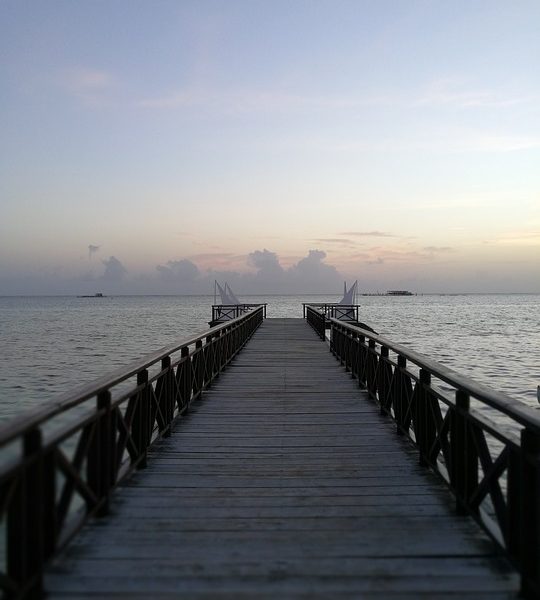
[343,312]
[226,312]
[61,461]
[483,444]
[316,319]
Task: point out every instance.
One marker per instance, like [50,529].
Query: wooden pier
[282,481]
[285,480]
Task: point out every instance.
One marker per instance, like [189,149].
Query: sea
[49,345]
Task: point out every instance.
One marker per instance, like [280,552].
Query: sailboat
[230,307]
[349,296]
[225,298]
[230,293]
[345,310]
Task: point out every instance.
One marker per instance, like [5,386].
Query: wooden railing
[61,461]
[316,319]
[226,312]
[343,312]
[483,444]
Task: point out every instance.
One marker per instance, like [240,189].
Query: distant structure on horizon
[391,293]
[399,293]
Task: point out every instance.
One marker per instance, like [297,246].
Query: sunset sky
[148,147]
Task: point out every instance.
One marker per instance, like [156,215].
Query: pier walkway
[283,481]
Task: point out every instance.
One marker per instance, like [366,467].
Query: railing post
[464,471]
[400,400]
[515,491]
[209,360]
[383,383]
[184,381]
[372,370]
[354,355]
[421,416]
[101,454]
[361,361]
[166,404]
[530,514]
[141,419]
[50,532]
[25,522]
[199,366]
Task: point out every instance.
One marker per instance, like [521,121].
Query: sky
[151,147]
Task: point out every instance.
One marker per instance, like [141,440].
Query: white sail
[225,298]
[234,299]
[349,297]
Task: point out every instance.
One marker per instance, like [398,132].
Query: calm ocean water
[50,344]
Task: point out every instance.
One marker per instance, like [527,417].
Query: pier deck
[284,481]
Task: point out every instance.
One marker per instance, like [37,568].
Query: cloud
[212,256]
[518,238]
[313,274]
[88,84]
[179,271]
[342,241]
[249,100]
[84,78]
[309,274]
[380,234]
[114,270]
[438,249]
[455,93]
[92,250]
[264,260]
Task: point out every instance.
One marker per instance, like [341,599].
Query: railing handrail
[34,417]
[248,304]
[520,412]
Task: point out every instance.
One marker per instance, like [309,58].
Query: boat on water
[399,293]
[96,295]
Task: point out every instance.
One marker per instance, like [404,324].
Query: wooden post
[383,383]
[199,365]
[141,418]
[464,475]
[166,399]
[107,450]
[360,362]
[354,355]
[25,522]
[399,394]
[372,370]
[421,416]
[209,360]
[514,499]
[50,532]
[184,381]
[530,514]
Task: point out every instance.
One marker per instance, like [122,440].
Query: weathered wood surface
[283,482]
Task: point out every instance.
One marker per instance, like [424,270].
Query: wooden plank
[283,481]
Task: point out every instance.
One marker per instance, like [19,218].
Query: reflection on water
[50,344]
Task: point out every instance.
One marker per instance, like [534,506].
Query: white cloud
[90,85]
[455,93]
